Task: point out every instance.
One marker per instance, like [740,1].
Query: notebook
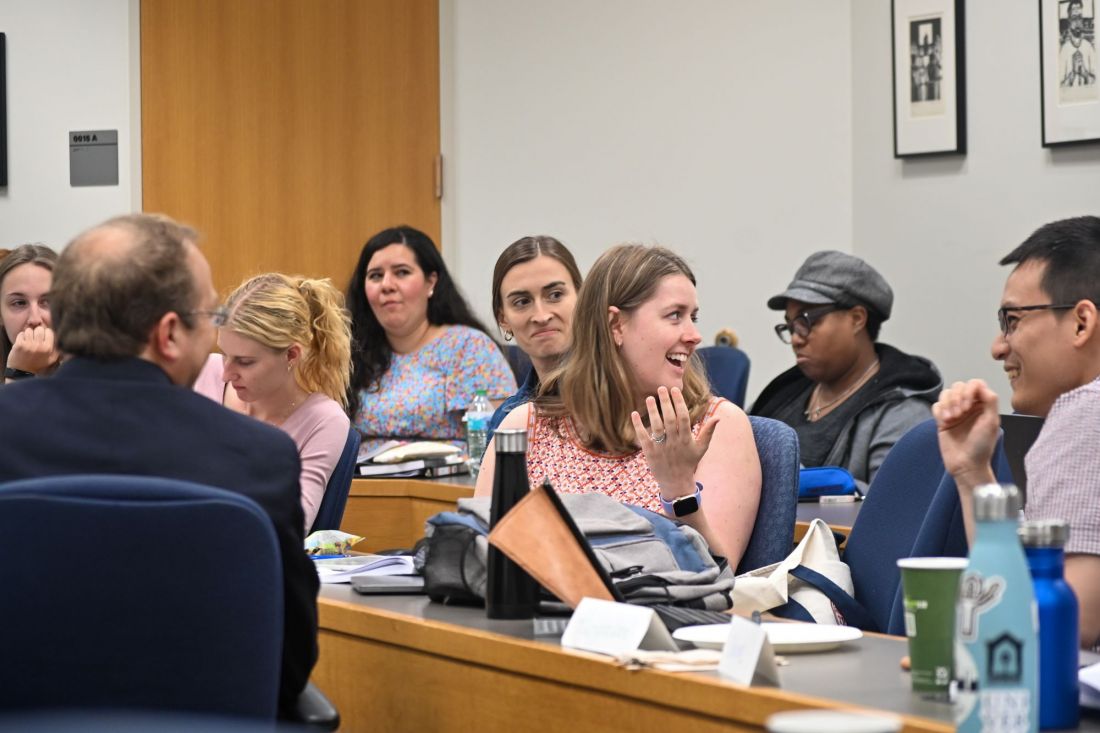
[1020,432]
[421,467]
[343,569]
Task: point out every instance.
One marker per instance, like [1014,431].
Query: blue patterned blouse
[425,393]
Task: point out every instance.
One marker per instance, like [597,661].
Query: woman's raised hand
[671,450]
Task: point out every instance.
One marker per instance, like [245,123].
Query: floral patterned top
[423,394]
[555,452]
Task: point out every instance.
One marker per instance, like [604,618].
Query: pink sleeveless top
[555,452]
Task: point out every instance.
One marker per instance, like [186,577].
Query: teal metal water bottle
[997,665]
[1058,631]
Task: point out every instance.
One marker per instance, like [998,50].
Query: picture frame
[3,111]
[1069,76]
[929,64]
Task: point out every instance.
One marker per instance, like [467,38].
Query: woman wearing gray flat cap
[848,397]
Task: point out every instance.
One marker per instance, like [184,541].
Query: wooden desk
[839,517]
[401,663]
[390,513]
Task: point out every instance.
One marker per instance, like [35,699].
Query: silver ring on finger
[658,439]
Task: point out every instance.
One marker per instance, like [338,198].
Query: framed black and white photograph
[3,113]
[1070,88]
[929,78]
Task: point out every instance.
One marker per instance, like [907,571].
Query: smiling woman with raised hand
[629,413]
[26,337]
[286,353]
[535,284]
[419,355]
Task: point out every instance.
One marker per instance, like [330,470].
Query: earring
[431,293]
[507,335]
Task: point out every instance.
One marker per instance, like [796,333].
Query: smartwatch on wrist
[13,373]
[682,506]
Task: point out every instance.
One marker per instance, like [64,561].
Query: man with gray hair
[136,314]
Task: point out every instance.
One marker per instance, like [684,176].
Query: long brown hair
[593,385]
[34,254]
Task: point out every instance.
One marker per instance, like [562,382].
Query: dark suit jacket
[127,417]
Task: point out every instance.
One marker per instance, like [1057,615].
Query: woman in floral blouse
[418,354]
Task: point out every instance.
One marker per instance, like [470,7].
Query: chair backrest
[773,532]
[911,510]
[727,370]
[890,518]
[138,592]
[519,361]
[331,511]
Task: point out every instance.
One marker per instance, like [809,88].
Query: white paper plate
[831,721]
[785,638]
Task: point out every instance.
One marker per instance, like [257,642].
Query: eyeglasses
[1008,322]
[218,316]
[803,323]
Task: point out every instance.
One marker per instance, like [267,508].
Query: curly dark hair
[370,351]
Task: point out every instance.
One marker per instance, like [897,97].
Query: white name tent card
[747,654]
[607,627]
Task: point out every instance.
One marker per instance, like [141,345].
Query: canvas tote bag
[811,584]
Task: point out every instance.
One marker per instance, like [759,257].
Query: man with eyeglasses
[1049,341]
[135,313]
[848,397]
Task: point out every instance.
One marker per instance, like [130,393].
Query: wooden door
[289,131]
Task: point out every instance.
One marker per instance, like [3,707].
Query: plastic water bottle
[998,664]
[1058,632]
[477,419]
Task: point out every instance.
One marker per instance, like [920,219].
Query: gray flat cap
[837,277]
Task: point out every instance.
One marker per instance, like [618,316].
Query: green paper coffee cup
[931,587]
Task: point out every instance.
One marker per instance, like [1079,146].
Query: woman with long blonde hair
[286,351]
[629,412]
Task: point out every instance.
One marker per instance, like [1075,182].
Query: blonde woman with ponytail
[286,351]
[629,413]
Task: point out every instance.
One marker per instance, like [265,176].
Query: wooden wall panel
[289,131]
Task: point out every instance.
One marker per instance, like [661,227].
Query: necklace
[277,418]
[813,414]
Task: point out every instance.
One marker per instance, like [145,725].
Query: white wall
[744,134]
[71,65]
[937,227]
[719,128]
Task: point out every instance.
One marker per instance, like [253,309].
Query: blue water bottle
[1058,633]
[997,664]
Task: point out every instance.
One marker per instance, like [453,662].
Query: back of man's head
[1070,251]
[113,284]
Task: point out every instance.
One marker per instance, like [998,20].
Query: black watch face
[685,506]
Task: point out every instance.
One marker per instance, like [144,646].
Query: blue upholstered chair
[138,592]
[331,511]
[773,532]
[727,368]
[911,510]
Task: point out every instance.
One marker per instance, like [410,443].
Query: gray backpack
[650,558]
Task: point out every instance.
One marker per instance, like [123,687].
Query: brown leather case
[539,539]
